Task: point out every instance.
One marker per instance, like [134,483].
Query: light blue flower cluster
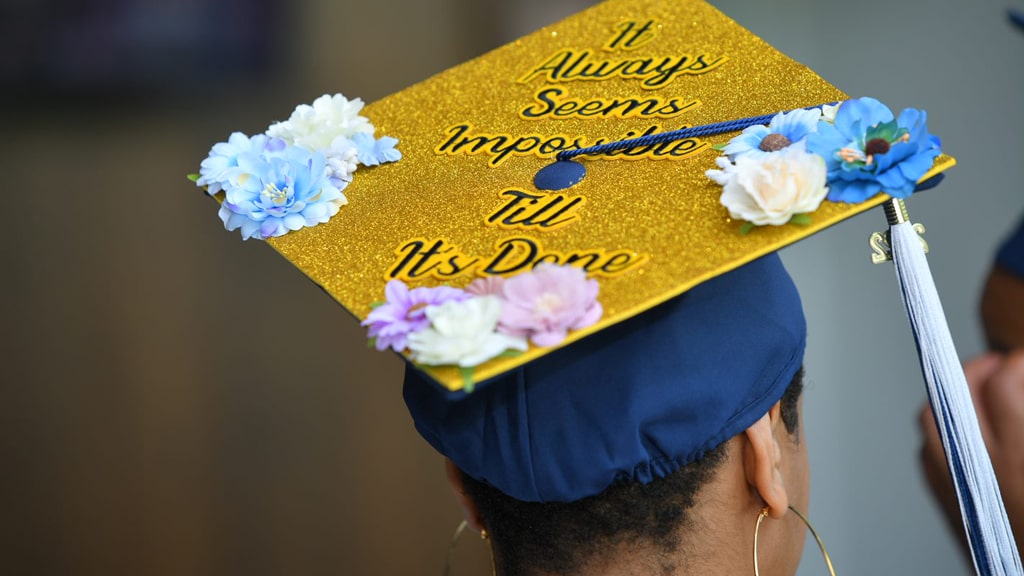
[272,185]
[866,149]
[785,129]
[276,192]
[374,152]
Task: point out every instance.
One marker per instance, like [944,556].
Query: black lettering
[615,40]
[517,196]
[630,105]
[552,258]
[636,67]
[568,65]
[454,268]
[515,148]
[640,37]
[552,69]
[542,96]
[456,132]
[617,263]
[591,258]
[566,108]
[479,142]
[567,73]
[527,250]
[417,269]
[634,151]
[552,220]
[673,108]
[665,72]
[414,247]
[592,108]
[598,70]
[685,147]
[552,145]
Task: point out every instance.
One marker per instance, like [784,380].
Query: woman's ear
[762,461]
[468,505]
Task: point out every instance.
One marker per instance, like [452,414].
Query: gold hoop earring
[455,542]
[821,545]
[462,528]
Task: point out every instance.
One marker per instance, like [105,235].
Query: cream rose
[772,189]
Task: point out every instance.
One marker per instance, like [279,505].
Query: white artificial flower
[772,189]
[463,334]
[341,162]
[315,127]
[828,112]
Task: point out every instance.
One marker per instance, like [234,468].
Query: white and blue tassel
[981,505]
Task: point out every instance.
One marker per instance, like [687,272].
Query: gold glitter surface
[664,209]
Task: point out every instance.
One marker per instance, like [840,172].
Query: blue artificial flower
[867,151]
[785,128]
[275,192]
[222,163]
[373,152]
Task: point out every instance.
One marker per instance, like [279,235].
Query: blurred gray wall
[961,61]
[176,401]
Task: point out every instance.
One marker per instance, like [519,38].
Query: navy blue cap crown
[638,400]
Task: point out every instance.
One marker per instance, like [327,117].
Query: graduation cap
[572,241]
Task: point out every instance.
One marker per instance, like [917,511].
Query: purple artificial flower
[404,312]
[547,302]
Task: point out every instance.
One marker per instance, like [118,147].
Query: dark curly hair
[562,537]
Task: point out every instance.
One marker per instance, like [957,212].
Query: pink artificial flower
[546,303]
[404,312]
[486,286]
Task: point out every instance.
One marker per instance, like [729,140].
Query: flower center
[876,146]
[275,194]
[548,302]
[416,310]
[774,143]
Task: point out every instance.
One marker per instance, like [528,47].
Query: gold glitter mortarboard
[646,223]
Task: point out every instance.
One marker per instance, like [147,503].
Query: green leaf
[800,219]
[467,378]
[886,131]
[377,304]
[719,147]
[510,354]
[371,342]
[746,228]
[193,177]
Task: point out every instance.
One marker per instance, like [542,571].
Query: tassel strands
[988,530]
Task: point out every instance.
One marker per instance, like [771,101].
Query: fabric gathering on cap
[636,401]
[1011,253]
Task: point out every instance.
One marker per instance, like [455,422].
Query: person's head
[1002,310]
[669,427]
[669,525]
[1002,302]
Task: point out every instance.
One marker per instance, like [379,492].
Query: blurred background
[176,401]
